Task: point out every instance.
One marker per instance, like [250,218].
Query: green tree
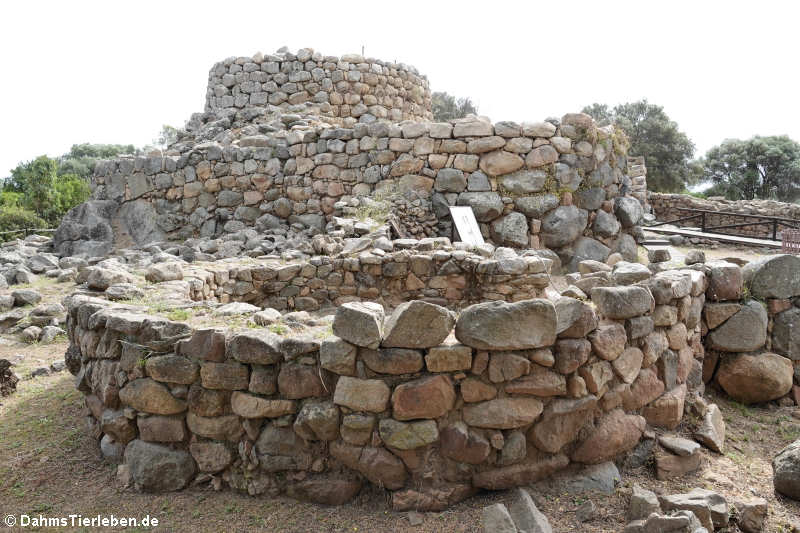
[652,134]
[761,167]
[447,107]
[35,180]
[70,190]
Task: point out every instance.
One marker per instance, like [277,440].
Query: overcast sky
[114,72]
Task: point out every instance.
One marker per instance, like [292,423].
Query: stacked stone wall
[429,405]
[666,207]
[554,185]
[349,87]
[415,270]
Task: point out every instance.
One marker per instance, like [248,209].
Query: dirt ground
[50,465]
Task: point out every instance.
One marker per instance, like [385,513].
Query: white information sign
[467,226]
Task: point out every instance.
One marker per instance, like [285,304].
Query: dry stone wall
[665,207]
[253,160]
[430,405]
[410,269]
[536,185]
[350,87]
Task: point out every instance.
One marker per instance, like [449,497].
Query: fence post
[703,221]
[774,229]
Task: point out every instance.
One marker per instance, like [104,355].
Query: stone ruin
[246,316]
[289,142]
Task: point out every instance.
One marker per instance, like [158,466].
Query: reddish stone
[475,390]
[534,468]
[644,390]
[666,411]
[614,434]
[429,397]
[462,445]
[300,381]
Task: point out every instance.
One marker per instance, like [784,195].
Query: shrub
[16,218]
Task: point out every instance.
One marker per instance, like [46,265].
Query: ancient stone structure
[665,207]
[429,368]
[350,86]
[294,138]
[426,403]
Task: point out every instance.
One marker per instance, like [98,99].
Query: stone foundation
[430,405]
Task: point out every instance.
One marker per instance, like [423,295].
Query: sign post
[466,225]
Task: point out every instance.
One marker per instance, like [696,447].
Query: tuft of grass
[179,314]
[278,329]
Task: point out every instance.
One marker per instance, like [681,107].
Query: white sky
[114,72]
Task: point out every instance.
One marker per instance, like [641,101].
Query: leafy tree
[37,187]
[652,134]
[81,158]
[35,180]
[448,107]
[70,190]
[761,167]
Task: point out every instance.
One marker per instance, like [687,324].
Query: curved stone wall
[352,86]
[424,403]
[551,184]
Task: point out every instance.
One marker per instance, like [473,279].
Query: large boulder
[773,276]
[756,378]
[622,302]
[486,205]
[563,225]
[86,229]
[743,332]
[786,471]
[359,323]
[155,468]
[536,206]
[511,230]
[628,211]
[508,326]
[417,324]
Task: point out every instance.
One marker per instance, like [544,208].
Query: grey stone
[563,225]
[536,206]
[359,323]
[773,276]
[643,504]
[523,182]
[508,326]
[486,205]
[590,199]
[622,302]
[628,211]
[26,297]
[605,224]
[583,249]
[450,180]
[156,468]
[678,445]
[711,432]
[786,471]
[511,230]
[526,515]
[786,333]
[710,507]
[417,324]
[743,332]
[495,519]
[626,273]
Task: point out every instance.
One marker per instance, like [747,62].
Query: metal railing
[773,223]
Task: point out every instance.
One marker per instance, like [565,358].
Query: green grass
[179,314]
